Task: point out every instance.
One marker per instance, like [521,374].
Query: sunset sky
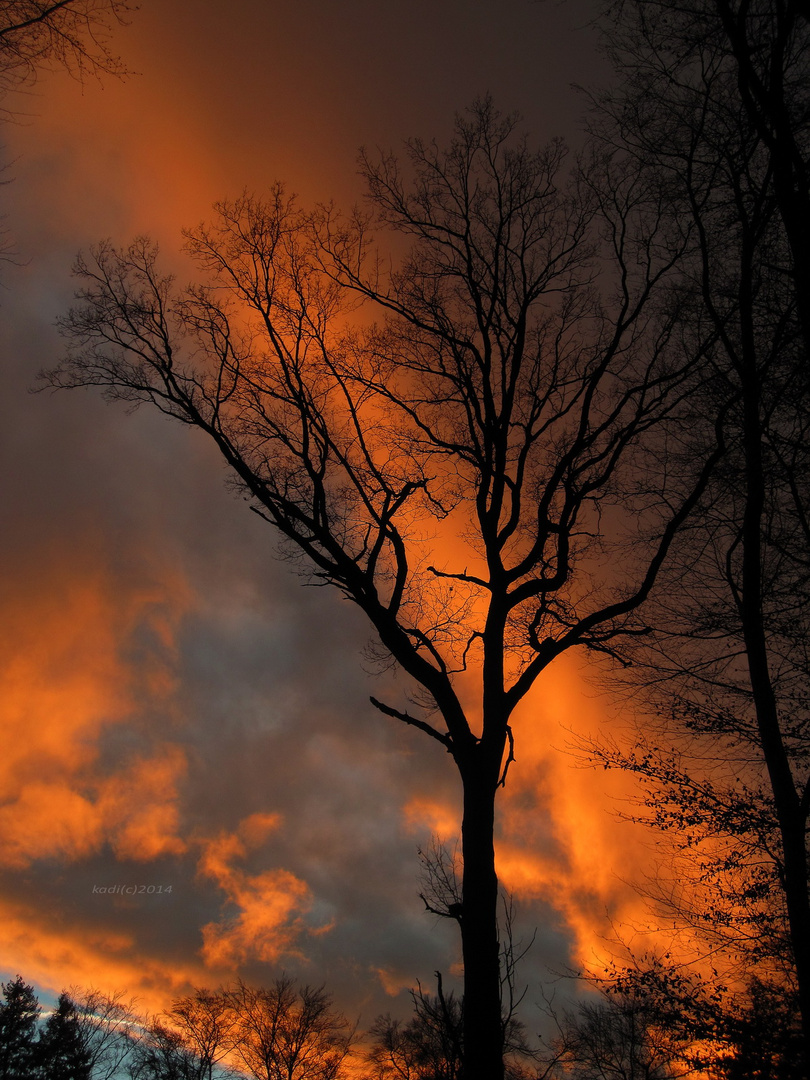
[178,711]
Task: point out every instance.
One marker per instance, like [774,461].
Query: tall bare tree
[450,469]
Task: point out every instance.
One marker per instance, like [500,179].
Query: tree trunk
[483,1028]
[790,811]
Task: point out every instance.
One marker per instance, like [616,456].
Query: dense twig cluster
[72,34]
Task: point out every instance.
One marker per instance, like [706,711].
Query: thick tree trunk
[790,810]
[483,1028]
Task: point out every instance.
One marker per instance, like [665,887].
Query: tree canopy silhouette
[713,101]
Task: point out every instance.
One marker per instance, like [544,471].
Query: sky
[194,785]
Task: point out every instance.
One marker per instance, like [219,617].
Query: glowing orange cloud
[141,806]
[69,680]
[562,839]
[270,905]
[88,652]
[393,982]
[55,954]
[425,814]
[65,683]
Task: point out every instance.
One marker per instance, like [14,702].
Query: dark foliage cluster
[711,97]
[85,1037]
[659,1021]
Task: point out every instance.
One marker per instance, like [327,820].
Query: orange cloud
[269,905]
[140,806]
[56,955]
[423,814]
[393,981]
[268,921]
[45,820]
[562,839]
[69,679]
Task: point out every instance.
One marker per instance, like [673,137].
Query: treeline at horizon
[656,1028]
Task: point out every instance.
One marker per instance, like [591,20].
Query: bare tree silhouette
[451,469]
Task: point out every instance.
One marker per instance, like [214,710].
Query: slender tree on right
[768,42]
[714,100]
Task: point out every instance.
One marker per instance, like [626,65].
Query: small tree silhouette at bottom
[19,1012]
[426,1047]
[61,1052]
[160,1054]
[290,1032]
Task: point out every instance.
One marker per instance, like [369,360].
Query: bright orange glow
[561,840]
[65,684]
[269,905]
[56,954]
[570,849]
[429,815]
[142,801]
